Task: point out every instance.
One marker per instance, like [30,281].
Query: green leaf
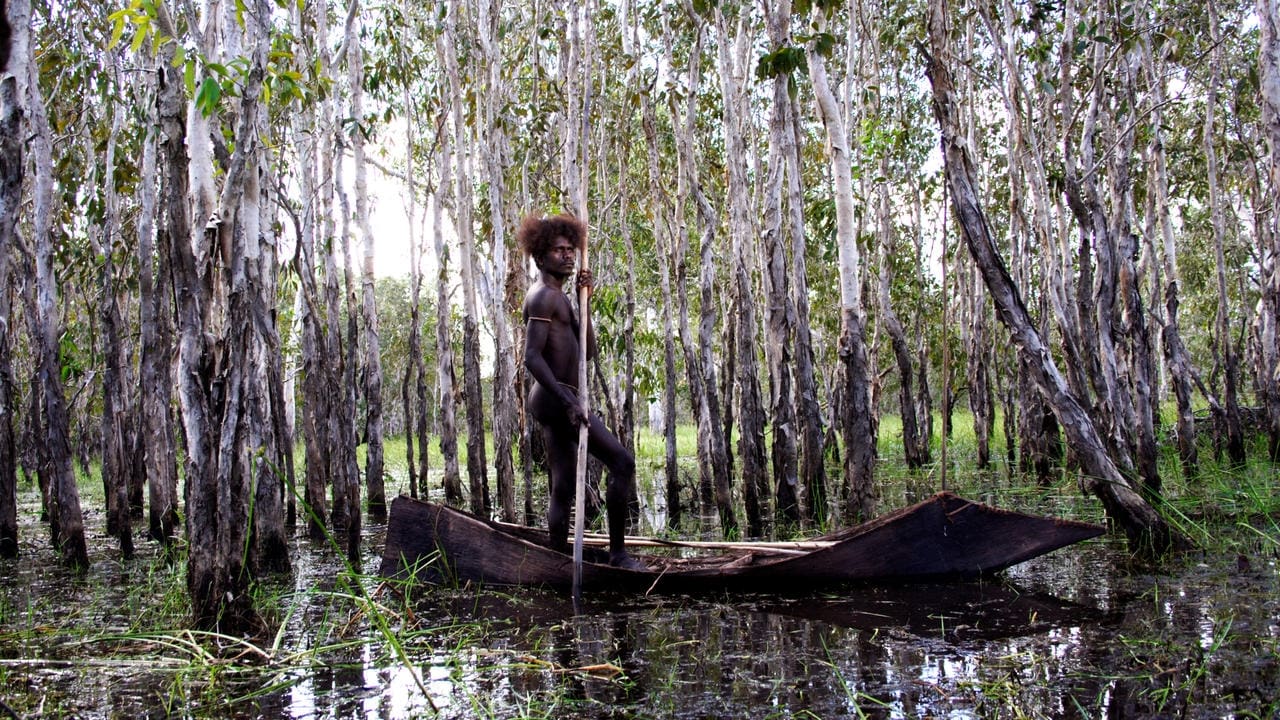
[117,27]
[139,36]
[208,96]
[189,77]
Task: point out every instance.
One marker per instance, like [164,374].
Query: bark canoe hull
[943,537]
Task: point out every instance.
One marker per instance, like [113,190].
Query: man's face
[560,258]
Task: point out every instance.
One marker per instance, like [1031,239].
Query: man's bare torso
[553,331]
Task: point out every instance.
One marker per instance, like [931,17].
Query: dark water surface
[1081,633]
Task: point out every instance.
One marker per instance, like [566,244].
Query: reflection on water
[1077,634]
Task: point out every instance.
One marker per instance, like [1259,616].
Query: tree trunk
[1224,344]
[1133,314]
[115,457]
[713,483]
[492,141]
[1161,225]
[742,231]
[1269,64]
[915,449]
[268,442]
[346,438]
[813,471]
[664,239]
[67,521]
[412,384]
[10,201]
[445,374]
[339,421]
[473,391]
[781,316]
[979,351]
[371,370]
[317,385]
[156,341]
[1145,528]
[855,417]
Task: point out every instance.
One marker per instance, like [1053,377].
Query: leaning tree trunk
[67,521]
[10,200]
[855,417]
[1144,526]
[1269,64]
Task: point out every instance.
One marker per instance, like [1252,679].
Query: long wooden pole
[580,492]
[584,308]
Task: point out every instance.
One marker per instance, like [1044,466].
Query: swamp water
[1080,633]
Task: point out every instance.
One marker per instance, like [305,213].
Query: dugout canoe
[942,537]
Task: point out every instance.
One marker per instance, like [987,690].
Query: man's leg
[562,462]
[622,474]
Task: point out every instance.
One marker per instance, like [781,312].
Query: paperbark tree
[347,359]
[492,142]
[808,408]
[155,326]
[1268,12]
[115,457]
[781,316]
[463,221]
[10,200]
[413,398]
[317,382]
[1160,225]
[855,407]
[717,476]
[445,374]
[742,236]
[63,499]
[660,212]
[371,363]
[339,421]
[1224,340]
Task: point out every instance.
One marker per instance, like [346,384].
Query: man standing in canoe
[551,354]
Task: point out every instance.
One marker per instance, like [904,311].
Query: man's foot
[625,561]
